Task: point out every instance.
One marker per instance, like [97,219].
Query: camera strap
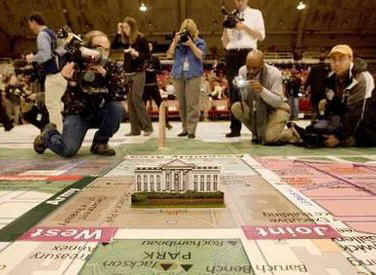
[186,64]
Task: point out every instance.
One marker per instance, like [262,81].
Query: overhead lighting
[143,7]
[301,6]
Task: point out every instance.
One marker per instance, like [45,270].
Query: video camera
[73,49]
[231,18]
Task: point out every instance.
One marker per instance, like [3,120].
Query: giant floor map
[280,217]
[284,214]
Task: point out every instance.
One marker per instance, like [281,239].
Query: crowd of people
[71,95]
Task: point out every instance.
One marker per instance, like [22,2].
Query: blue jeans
[106,119]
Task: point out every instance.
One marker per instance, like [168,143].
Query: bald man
[263,108]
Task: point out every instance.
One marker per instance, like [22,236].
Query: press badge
[186,65]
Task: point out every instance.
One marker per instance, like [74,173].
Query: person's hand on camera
[32,97]
[188,43]
[99,69]
[29,58]
[240,26]
[68,70]
[132,52]
[255,86]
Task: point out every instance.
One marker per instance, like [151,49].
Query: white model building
[178,176]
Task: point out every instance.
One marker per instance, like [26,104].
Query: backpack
[54,64]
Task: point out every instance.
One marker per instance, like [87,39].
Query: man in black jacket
[347,109]
[95,105]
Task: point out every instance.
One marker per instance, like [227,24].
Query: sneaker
[40,142]
[102,149]
[183,134]
[232,134]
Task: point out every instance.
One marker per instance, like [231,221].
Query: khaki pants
[55,85]
[188,94]
[205,105]
[275,131]
[138,116]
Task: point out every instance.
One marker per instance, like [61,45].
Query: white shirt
[241,39]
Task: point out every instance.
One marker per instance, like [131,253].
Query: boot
[102,149]
[40,142]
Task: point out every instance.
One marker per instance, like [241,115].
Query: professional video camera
[231,18]
[77,52]
[73,49]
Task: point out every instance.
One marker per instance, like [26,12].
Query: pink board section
[288,231]
[69,234]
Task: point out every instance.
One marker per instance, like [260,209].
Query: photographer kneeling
[347,114]
[88,104]
[263,108]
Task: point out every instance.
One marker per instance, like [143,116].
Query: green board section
[36,186]
[18,227]
[172,257]
[195,147]
[357,159]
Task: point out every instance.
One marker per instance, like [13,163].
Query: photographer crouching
[91,100]
[263,108]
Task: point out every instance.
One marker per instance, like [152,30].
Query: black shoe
[183,134]
[232,134]
[191,136]
[102,149]
[148,133]
[132,134]
[169,126]
[40,142]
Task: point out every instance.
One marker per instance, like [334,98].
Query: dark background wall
[321,25]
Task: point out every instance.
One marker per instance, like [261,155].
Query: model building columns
[180,178]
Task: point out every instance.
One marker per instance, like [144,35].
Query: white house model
[178,176]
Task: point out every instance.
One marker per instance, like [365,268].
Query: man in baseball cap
[341,58]
[349,91]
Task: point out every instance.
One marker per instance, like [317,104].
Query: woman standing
[188,50]
[136,53]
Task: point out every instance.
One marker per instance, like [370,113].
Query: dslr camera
[231,18]
[184,36]
[240,82]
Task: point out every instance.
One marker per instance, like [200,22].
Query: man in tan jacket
[263,108]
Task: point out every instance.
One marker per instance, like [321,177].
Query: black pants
[32,117]
[152,92]
[234,60]
[4,118]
